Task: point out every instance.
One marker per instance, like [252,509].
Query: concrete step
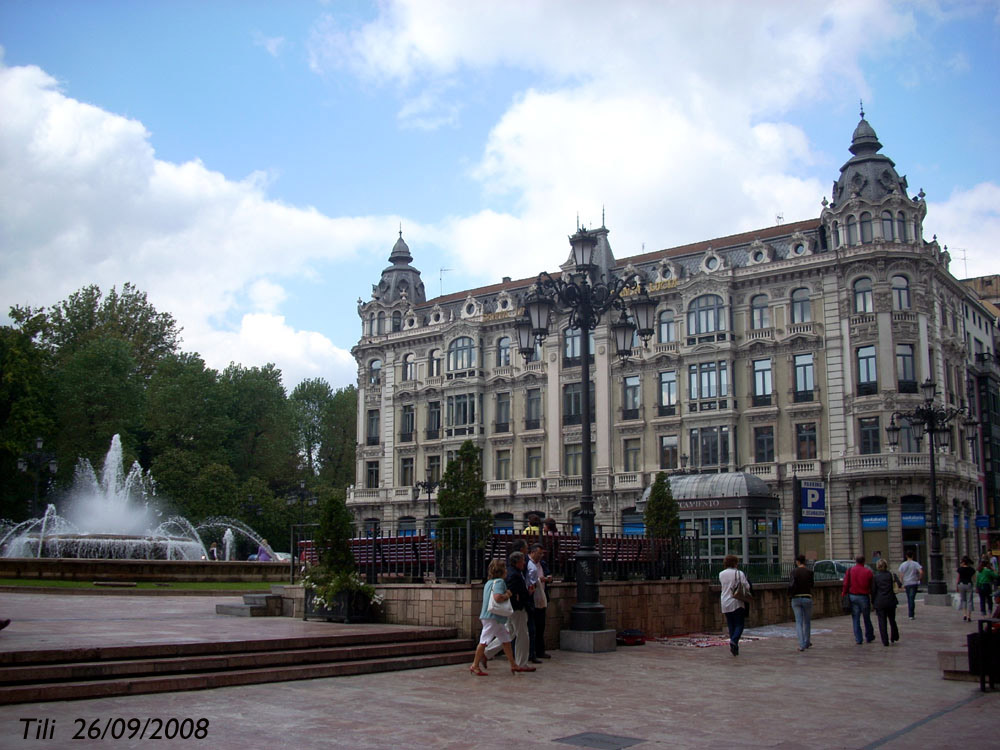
[271,602]
[241,610]
[35,693]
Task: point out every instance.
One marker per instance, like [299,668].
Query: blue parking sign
[813,499]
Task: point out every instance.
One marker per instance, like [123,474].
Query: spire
[400,254]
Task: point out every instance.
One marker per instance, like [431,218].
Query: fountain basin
[74,569]
[111,547]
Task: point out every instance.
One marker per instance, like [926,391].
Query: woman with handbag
[735,596]
[884,600]
[494,613]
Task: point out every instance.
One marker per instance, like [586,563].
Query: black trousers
[538,644]
[889,613]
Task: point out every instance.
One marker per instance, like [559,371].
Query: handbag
[741,588]
[502,609]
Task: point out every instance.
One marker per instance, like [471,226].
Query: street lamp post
[33,462]
[585,297]
[427,486]
[302,498]
[932,420]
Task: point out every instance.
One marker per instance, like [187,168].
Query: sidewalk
[835,695]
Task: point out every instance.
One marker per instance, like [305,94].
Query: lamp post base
[937,600]
[587,641]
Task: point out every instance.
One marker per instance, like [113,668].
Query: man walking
[517,623]
[912,573]
[858,585]
[536,584]
[802,603]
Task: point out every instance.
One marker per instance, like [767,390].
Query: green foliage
[463,492]
[335,531]
[662,516]
[339,438]
[309,401]
[216,493]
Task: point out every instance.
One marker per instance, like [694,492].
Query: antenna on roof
[441,272]
[965,259]
[578,221]
[778,218]
[400,230]
[602,217]
[862,105]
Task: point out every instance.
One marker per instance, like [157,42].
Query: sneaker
[4,623]
[734,649]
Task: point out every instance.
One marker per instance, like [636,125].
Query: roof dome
[702,486]
[864,139]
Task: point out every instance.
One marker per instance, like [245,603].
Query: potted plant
[333,588]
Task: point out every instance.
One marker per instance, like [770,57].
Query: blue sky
[248,164]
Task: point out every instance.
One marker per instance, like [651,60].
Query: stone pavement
[835,695]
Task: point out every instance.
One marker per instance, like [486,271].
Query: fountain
[113,517]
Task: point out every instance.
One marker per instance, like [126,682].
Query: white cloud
[86,201]
[272,44]
[968,223]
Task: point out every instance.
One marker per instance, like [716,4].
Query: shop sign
[914,521]
[813,499]
[874,521]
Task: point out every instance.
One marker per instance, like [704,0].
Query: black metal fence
[453,550]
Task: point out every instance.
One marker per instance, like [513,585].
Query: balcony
[534,367]
[668,410]
[668,347]
[766,471]
[631,480]
[402,494]
[628,414]
[499,488]
[406,437]
[760,334]
[566,484]
[809,468]
[503,371]
[371,440]
[532,424]
[364,496]
[762,400]
[867,389]
[501,427]
[798,328]
[803,397]
[533,486]
[907,386]
[432,433]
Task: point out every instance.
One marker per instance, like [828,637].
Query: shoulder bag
[741,588]
[503,609]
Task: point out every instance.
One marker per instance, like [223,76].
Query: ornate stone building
[780,352]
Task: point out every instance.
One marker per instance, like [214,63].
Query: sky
[250,164]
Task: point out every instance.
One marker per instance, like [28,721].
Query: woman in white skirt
[494,626]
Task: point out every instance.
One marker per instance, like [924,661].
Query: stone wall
[656,607]
[141,570]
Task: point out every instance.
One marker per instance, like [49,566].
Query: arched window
[371,324]
[381,324]
[706,315]
[901,233]
[900,293]
[760,315]
[536,353]
[852,231]
[863,302]
[667,329]
[375,372]
[887,226]
[836,234]
[397,321]
[801,307]
[866,227]
[409,367]
[503,351]
[461,354]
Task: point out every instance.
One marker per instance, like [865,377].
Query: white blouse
[727,578]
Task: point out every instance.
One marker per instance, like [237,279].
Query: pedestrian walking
[986,578]
[884,600]
[800,591]
[966,576]
[494,625]
[734,597]
[858,587]
[912,574]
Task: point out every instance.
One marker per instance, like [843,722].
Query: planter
[350,606]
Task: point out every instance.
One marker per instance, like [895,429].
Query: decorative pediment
[712,262]
[800,245]
[436,315]
[471,308]
[759,252]
[667,270]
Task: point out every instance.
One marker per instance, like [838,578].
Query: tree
[463,492]
[662,516]
[309,401]
[338,444]
[335,531]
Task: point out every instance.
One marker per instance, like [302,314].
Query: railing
[668,347]
[452,550]
[628,480]
[795,328]
[503,371]
[498,488]
[760,333]
[763,470]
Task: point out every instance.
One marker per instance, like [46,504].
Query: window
[461,354]
[371,430]
[706,315]
[572,353]
[535,355]
[901,227]
[709,446]
[763,444]
[503,464]
[905,371]
[371,475]
[668,452]
[381,323]
[668,393]
[407,424]
[503,412]
[801,307]
[397,321]
[533,462]
[573,460]
[434,363]
[632,453]
[667,330]
[375,372]
[371,324]
[900,293]
[409,367]
[709,380]
[762,382]
[836,234]
[462,413]
[805,441]
[852,231]
[867,375]
[406,472]
[805,382]
[631,409]
[533,409]
[907,442]
[573,403]
[760,315]
[868,435]
[887,226]
[433,420]
[866,227]
[863,302]
[503,352]
[434,468]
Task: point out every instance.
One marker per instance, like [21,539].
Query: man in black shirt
[800,590]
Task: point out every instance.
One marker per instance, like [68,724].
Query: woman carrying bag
[494,613]
[735,600]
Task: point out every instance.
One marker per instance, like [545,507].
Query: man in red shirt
[858,585]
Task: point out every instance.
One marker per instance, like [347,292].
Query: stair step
[241,610]
[78,671]
[169,683]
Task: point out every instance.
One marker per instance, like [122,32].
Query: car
[831,570]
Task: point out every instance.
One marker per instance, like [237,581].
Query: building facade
[781,353]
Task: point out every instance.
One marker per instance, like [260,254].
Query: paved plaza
[676,695]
